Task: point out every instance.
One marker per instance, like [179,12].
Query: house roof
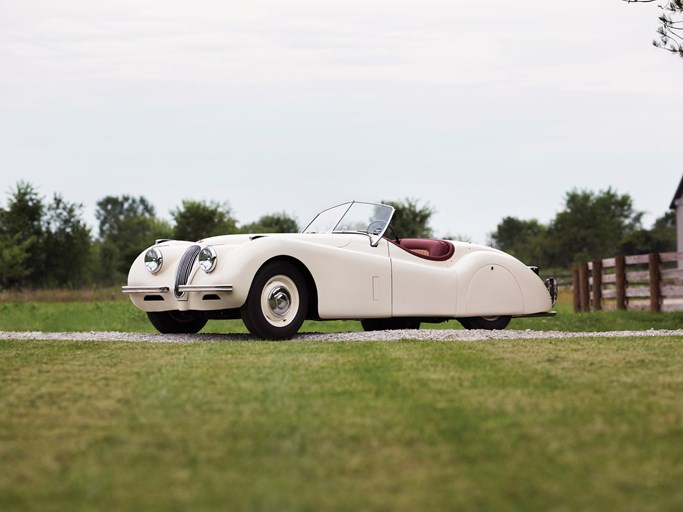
[679,193]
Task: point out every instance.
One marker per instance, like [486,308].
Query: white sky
[480,109]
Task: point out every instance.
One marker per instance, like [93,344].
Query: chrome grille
[185,267]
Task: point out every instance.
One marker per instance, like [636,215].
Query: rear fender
[494,283]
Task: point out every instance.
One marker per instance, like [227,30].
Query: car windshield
[354,217]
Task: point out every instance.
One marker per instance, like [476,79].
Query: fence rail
[643,282]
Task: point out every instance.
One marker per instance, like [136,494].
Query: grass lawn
[121,315]
[566,425]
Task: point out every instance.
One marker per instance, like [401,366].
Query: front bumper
[184,297]
[183,288]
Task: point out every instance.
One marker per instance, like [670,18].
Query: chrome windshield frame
[349,218]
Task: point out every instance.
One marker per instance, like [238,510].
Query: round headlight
[207,259]
[153,260]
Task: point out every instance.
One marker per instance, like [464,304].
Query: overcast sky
[481,110]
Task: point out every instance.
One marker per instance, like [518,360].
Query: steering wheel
[377,229]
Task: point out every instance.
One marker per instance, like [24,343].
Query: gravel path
[421,334]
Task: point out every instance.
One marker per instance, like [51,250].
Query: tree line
[47,244]
[591,225]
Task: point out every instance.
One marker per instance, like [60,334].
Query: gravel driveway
[417,334]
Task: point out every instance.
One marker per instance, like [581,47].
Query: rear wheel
[389,324]
[486,322]
[173,322]
[277,302]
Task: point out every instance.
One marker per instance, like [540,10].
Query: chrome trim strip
[145,289]
[205,288]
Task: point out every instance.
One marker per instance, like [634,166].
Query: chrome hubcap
[279,300]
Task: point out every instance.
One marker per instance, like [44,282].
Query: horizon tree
[21,228]
[523,239]
[272,223]
[127,225]
[592,225]
[68,242]
[195,220]
[411,220]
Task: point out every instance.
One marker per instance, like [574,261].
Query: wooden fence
[651,282]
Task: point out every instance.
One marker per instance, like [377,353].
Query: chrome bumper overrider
[551,285]
[181,288]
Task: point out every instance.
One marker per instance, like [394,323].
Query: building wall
[679,224]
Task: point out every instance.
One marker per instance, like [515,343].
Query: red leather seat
[428,248]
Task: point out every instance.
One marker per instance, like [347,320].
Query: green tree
[592,225]
[664,231]
[198,219]
[410,219]
[524,239]
[113,211]
[67,241]
[661,238]
[14,260]
[670,30]
[127,225]
[22,229]
[272,223]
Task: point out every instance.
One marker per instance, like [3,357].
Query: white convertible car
[342,266]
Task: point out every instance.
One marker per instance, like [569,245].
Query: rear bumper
[551,285]
[537,315]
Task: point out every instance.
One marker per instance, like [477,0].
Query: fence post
[597,285]
[575,289]
[655,278]
[620,271]
[584,287]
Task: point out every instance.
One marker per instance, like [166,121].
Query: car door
[353,279]
[421,287]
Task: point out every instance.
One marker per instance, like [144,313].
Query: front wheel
[489,323]
[172,322]
[277,302]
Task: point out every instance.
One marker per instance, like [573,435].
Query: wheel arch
[488,285]
[516,291]
[311,286]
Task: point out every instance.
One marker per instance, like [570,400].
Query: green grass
[123,316]
[585,424]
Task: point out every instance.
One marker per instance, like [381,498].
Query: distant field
[586,424]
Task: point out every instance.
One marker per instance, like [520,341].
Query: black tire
[489,323]
[389,324]
[277,302]
[172,322]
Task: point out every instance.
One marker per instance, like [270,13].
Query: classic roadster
[348,263]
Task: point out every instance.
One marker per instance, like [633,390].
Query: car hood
[331,239]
